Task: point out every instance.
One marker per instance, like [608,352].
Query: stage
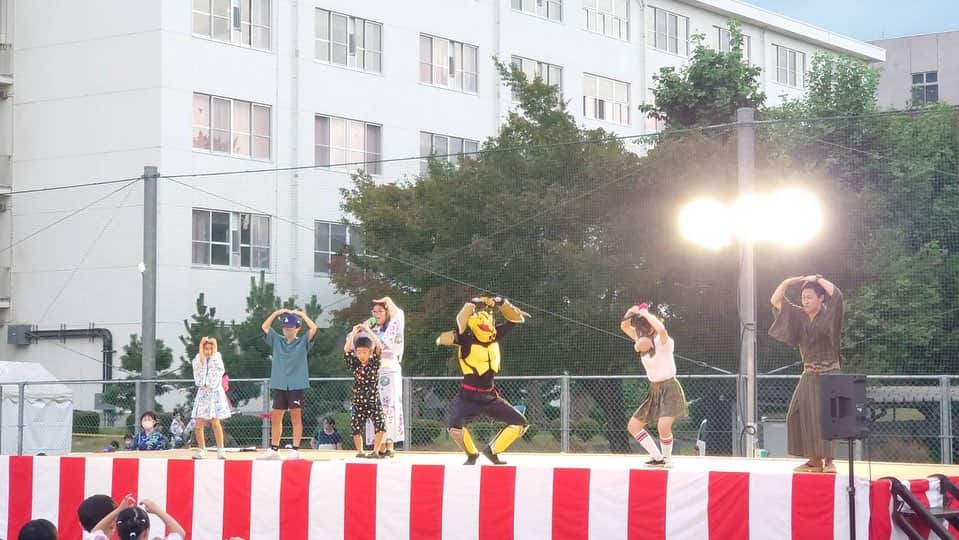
[431,496]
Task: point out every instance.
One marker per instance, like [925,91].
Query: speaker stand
[851,489]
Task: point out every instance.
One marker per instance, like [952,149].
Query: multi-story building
[919,70]
[101,89]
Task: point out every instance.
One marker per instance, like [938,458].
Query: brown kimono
[818,341]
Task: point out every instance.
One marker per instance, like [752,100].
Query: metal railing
[914,418]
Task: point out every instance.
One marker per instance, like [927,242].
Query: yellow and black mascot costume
[477,340]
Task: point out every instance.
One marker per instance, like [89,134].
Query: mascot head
[482,325]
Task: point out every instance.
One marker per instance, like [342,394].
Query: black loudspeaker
[843,405]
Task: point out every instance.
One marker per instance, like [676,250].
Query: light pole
[745,149]
[753,219]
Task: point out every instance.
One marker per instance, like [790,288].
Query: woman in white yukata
[211,404]
[388,323]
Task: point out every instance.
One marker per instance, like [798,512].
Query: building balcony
[6,48]
[5,286]
[6,68]
[6,174]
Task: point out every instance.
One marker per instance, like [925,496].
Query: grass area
[94,443]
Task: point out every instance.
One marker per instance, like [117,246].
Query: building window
[925,88]
[549,73]
[241,22]
[607,17]
[348,145]
[349,41]
[724,42]
[668,31]
[231,126]
[445,148]
[606,99]
[329,240]
[231,239]
[790,66]
[448,63]
[549,9]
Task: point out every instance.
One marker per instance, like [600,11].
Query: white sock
[647,442]
[667,447]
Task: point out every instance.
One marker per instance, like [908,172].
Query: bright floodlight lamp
[787,218]
[706,222]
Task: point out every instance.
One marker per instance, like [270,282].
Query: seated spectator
[149,438]
[38,529]
[127,442]
[328,438]
[92,510]
[176,431]
[133,522]
[112,447]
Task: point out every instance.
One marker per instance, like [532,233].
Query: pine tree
[123,396]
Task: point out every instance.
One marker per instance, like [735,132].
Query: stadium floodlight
[790,217]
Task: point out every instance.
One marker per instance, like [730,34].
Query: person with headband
[388,322]
[476,338]
[362,354]
[149,437]
[133,523]
[210,404]
[665,401]
[289,378]
[816,328]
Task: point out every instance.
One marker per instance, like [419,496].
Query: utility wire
[70,186]
[446,277]
[68,216]
[610,137]
[86,254]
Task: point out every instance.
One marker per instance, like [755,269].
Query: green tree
[709,88]
[123,395]
[905,316]
[890,182]
[546,216]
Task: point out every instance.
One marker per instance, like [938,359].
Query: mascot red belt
[477,340]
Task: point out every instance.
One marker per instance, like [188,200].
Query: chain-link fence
[913,419]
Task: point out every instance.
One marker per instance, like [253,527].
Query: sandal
[829,468]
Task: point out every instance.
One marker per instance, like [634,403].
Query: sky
[868,20]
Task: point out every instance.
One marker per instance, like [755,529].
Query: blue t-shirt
[288,371]
[327,441]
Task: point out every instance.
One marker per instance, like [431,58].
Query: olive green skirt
[665,398]
[804,421]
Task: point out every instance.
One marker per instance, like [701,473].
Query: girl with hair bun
[133,522]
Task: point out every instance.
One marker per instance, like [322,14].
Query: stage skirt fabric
[303,499]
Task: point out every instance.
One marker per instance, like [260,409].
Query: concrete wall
[918,54]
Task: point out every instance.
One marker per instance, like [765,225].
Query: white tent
[47,415]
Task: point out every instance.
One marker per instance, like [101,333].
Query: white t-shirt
[660,366]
